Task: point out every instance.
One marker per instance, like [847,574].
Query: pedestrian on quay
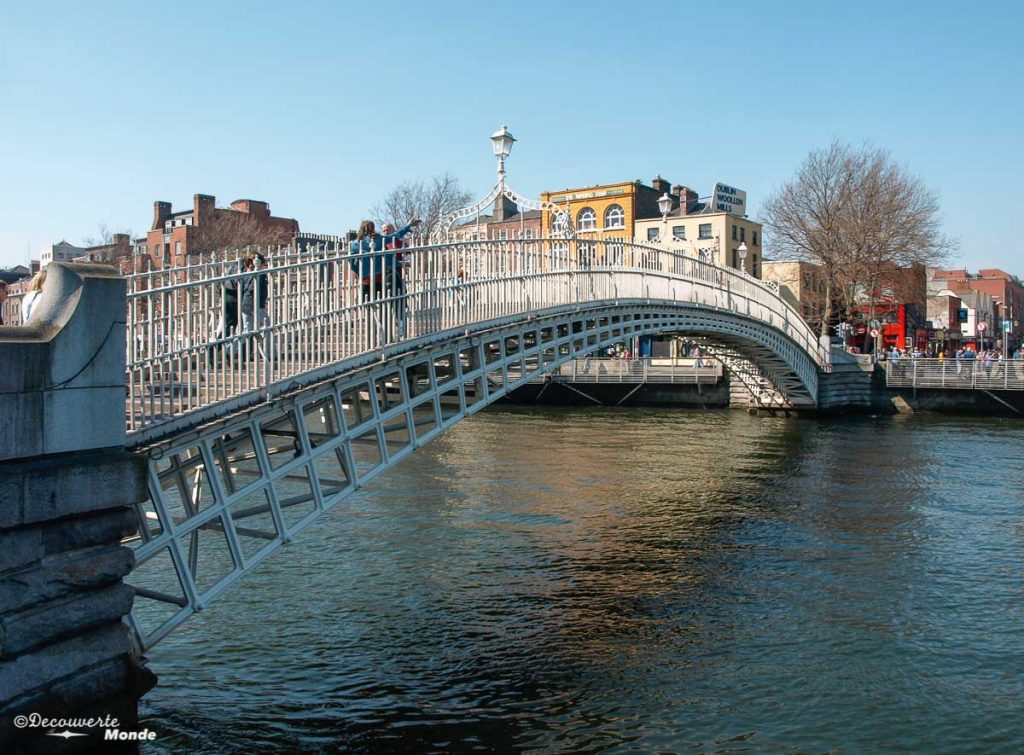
[35,290]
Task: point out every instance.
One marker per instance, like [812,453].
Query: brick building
[1006,291]
[207,228]
[505,222]
[118,252]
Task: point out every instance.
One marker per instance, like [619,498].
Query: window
[614,217]
[743,234]
[502,235]
[734,232]
[586,220]
[704,232]
[528,233]
[188,220]
[557,224]
[177,247]
[653,234]
[679,232]
[753,238]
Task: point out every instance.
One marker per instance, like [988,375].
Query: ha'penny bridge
[155,455]
[251,437]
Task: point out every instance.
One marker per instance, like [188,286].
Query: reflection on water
[580,580]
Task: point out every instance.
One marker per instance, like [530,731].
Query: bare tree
[104,235]
[427,200]
[229,229]
[861,217]
[805,215]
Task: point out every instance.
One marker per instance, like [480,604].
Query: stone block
[63,372]
[20,547]
[44,489]
[45,623]
[83,418]
[61,659]
[63,575]
[92,529]
[21,410]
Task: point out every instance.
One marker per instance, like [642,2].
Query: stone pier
[67,489]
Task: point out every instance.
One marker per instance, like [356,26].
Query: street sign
[1007,325]
[875,324]
[982,326]
[874,332]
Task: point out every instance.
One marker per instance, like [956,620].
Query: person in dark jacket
[254,295]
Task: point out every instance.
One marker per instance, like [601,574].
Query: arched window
[557,223]
[586,220]
[614,217]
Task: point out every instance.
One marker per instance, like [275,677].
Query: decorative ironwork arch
[567,230]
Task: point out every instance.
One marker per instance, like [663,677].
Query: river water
[575,580]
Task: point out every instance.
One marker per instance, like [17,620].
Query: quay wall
[67,494]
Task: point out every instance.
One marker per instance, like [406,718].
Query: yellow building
[608,211]
[706,229]
[802,284]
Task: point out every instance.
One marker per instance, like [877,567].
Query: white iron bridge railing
[196,340]
[960,374]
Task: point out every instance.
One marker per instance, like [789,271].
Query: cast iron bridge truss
[254,434]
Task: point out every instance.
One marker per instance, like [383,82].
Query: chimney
[252,207]
[660,185]
[504,208]
[161,211]
[687,199]
[202,207]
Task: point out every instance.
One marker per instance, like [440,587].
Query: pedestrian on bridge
[254,296]
[376,271]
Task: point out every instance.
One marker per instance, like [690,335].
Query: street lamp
[665,205]
[501,142]
[742,249]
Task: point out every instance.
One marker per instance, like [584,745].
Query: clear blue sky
[321,107]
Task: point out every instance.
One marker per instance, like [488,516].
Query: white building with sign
[702,228]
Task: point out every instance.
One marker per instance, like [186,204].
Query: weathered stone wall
[67,489]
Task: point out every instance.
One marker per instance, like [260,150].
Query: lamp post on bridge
[501,144]
[742,249]
[502,141]
[665,205]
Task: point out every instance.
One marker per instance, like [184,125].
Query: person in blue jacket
[378,272]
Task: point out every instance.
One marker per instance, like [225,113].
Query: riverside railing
[964,374]
[642,370]
[195,340]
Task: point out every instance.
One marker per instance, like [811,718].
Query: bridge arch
[227,493]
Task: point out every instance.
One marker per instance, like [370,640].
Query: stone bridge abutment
[67,489]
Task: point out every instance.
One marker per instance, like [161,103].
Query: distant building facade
[607,211]
[1005,290]
[206,228]
[120,250]
[62,251]
[801,284]
[505,222]
[700,228]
